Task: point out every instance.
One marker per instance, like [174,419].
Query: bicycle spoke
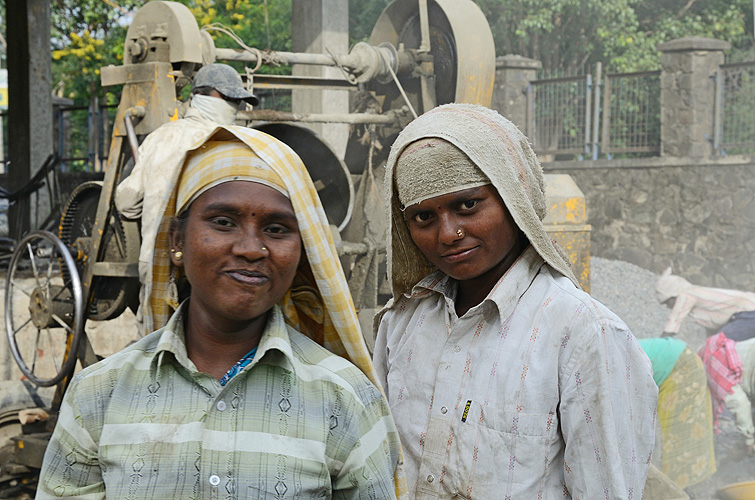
[49,274]
[20,327]
[52,299]
[52,351]
[33,264]
[18,285]
[62,323]
[36,350]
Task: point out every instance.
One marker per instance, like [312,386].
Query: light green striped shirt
[298,422]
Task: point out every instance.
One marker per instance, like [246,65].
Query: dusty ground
[733,462]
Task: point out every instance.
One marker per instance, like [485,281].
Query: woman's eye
[469,204]
[422,217]
[222,221]
[276,229]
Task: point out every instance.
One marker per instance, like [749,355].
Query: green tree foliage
[89,34]
[566,35]
[263,24]
[363,14]
[86,35]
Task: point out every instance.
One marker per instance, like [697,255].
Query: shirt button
[221,407]
[443,410]
[430,478]
[214,480]
[457,348]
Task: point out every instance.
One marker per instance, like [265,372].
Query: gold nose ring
[459,233]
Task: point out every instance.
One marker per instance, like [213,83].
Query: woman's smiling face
[241,249]
[468,234]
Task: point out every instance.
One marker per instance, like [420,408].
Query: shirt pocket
[499,452]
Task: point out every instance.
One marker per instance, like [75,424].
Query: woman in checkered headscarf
[246,385]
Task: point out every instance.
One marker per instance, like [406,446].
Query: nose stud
[264,249]
[459,233]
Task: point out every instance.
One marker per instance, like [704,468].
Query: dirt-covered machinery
[421,53]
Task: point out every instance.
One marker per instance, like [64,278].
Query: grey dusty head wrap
[433,167]
[502,153]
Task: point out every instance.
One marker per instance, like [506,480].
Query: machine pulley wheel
[110,295]
[463,55]
[44,308]
[461,44]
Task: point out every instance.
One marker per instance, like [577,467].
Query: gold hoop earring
[459,233]
[179,255]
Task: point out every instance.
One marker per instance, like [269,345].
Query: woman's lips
[253,278]
[457,256]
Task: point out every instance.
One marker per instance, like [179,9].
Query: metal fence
[734,121]
[82,135]
[586,116]
[558,117]
[631,113]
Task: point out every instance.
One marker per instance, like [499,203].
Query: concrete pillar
[319,26]
[688,95]
[513,75]
[29,103]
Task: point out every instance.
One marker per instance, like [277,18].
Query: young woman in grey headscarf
[506,380]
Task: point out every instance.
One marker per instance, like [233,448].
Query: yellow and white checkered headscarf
[319,303]
[216,162]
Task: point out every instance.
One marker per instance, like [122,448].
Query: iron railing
[586,117]
[631,113]
[83,136]
[559,115]
[734,121]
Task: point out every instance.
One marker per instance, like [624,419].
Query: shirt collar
[504,295]
[274,338]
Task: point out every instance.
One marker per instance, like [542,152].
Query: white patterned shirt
[298,422]
[539,392]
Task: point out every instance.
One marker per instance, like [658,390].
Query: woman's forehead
[456,196]
[250,194]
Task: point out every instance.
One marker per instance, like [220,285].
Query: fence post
[596,118]
[588,114]
[530,128]
[687,95]
[718,124]
[605,136]
[513,75]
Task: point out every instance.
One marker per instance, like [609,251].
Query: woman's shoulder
[134,355]
[316,363]
[563,292]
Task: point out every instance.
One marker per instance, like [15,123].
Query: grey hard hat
[225,80]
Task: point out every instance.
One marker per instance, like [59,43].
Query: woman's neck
[473,291]
[214,348]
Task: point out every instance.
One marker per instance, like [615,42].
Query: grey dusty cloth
[433,167]
[503,154]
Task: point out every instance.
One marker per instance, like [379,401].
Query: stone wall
[696,216]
